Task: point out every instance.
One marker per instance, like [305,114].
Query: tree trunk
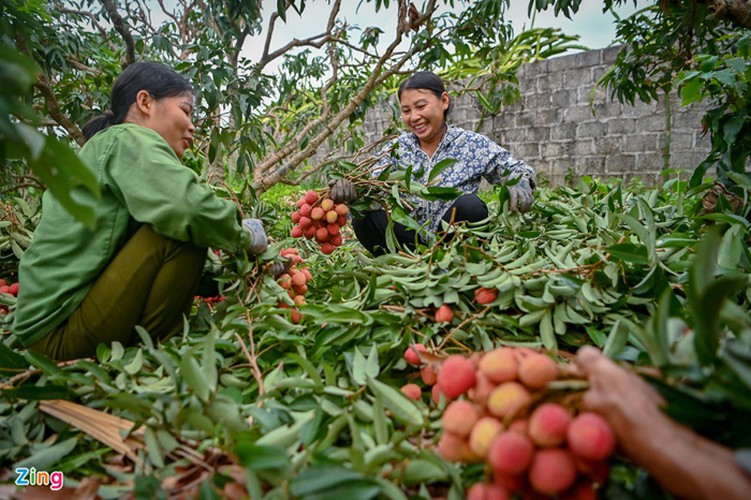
[737,12]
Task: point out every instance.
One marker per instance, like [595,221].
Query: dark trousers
[371,229]
[150,282]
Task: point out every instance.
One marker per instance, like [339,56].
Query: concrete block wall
[562,127]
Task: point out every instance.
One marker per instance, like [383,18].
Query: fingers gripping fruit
[320,219]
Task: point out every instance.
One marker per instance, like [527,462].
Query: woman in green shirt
[141,264]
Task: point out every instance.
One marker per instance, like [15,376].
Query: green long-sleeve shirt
[142,182]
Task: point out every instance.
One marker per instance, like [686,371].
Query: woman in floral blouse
[428,140]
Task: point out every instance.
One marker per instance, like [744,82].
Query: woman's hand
[259,242]
[522,196]
[683,462]
[625,400]
[342,191]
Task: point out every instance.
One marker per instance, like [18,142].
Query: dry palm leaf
[110,430]
[103,427]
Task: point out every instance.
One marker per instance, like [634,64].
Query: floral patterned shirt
[477,157]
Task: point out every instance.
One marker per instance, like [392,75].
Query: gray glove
[522,196]
[342,191]
[258,240]
[279,268]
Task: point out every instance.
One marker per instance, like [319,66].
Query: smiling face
[423,114]
[173,120]
[170,117]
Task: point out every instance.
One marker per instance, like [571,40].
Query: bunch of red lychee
[295,281]
[499,412]
[320,219]
[11,289]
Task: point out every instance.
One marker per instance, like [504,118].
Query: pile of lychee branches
[580,268]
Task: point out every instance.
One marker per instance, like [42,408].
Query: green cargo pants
[151,282]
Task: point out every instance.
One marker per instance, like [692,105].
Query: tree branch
[82,67]
[50,100]
[333,59]
[306,42]
[91,18]
[270,32]
[122,28]
[172,15]
[53,109]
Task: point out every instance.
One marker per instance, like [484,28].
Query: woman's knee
[147,240]
[467,208]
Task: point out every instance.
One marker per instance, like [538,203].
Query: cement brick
[607,109]
[584,148]
[563,98]
[599,71]
[687,119]
[460,114]
[640,143]
[609,145]
[640,109]
[549,82]
[536,68]
[590,165]
[538,134]
[588,58]
[472,124]
[591,128]
[610,54]
[550,117]
[561,166]
[526,151]
[686,160]
[619,164]
[536,101]
[620,125]
[560,63]
[551,150]
[515,135]
[649,162]
[563,131]
[680,141]
[577,114]
[523,120]
[577,77]
[702,141]
[587,94]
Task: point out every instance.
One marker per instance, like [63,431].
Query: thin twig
[34,371]
[450,335]
[251,355]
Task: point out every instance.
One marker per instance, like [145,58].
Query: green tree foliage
[266,115]
[725,79]
[56,165]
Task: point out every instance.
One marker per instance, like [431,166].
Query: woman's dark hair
[425,80]
[156,79]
